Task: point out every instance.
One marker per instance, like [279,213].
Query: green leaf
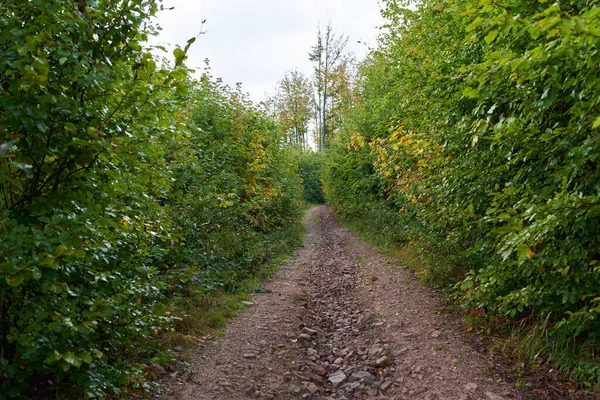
[93,132]
[86,357]
[14,281]
[504,216]
[470,92]
[47,262]
[475,24]
[52,358]
[491,36]
[36,274]
[42,126]
[62,60]
[468,284]
[72,359]
[524,251]
[596,123]
[70,127]
[80,253]
[54,325]
[151,66]
[178,53]
[60,250]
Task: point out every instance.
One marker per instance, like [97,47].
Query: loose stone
[312,388]
[385,386]
[361,376]
[337,378]
[382,362]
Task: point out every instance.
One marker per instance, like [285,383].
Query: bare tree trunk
[330,58]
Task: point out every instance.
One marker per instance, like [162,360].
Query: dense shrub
[236,195]
[119,187]
[81,171]
[477,122]
[310,169]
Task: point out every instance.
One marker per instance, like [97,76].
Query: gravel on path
[341,321]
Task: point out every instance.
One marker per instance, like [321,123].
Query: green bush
[235,192]
[310,169]
[81,173]
[123,185]
[478,123]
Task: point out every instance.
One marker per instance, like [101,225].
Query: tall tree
[294,106]
[331,63]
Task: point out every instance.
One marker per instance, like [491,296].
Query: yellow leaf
[469,329]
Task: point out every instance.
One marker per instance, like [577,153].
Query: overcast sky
[256,41]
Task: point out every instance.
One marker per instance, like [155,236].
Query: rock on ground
[340,321]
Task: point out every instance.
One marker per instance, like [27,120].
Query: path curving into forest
[341,321]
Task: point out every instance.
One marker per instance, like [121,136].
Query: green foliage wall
[236,194]
[80,174]
[123,184]
[477,122]
[311,170]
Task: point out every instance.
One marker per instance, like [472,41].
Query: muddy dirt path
[340,321]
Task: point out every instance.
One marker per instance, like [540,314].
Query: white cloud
[256,41]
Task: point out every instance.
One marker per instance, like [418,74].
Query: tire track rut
[340,321]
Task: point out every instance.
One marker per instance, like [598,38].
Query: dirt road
[340,321]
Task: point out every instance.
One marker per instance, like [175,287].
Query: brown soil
[341,321]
